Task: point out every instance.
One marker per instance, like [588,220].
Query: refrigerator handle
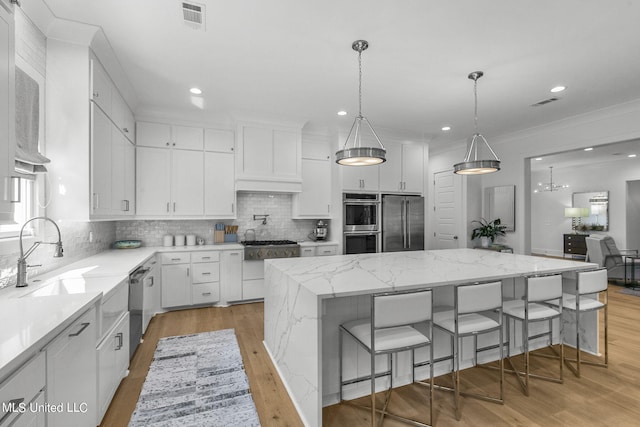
[408,222]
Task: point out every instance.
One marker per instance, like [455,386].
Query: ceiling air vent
[193,15]
[545,102]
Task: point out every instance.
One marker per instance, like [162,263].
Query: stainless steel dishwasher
[137,281]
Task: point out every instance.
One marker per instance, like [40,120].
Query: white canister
[167,240]
[179,240]
[191,239]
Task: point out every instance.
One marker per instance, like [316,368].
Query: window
[23,210]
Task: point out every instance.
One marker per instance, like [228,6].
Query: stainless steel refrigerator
[402,223]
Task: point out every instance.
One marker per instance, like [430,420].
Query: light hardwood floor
[602,397]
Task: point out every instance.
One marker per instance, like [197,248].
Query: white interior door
[448,205]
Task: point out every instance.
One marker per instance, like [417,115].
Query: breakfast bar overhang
[307,298]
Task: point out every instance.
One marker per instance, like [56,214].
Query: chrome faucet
[21,280]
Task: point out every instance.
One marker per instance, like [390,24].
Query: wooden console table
[574,244]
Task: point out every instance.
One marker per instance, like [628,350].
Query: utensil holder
[218,236]
[231,237]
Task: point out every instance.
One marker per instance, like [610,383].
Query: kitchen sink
[58,286]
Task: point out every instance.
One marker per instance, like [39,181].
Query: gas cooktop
[268,242]
[265,249]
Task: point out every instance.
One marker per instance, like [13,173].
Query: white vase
[484,241]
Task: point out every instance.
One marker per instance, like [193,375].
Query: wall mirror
[598,204]
[500,202]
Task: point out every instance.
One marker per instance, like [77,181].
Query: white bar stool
[536,307]
[392,321]
[584,297]
[474,313]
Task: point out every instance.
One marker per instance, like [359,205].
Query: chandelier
[550,186]
[477,166]
[353,153]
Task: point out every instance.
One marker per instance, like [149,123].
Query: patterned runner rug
[196,380]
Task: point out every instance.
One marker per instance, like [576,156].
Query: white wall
[613,124]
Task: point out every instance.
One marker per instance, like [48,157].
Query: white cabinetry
[314,201]
[404,169]
[231,276]
[176,279]
[190,278]
[169,136]
[71,373]
[7,112]
[24,386]
[252,279]
[219,174]
[360,178]
[113,361]
[269,158]
[318,249]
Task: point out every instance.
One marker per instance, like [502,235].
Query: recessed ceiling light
[195,91]
[446,128]
[342,113]
[538,158]
[557,89]
[588,149]
[631,155]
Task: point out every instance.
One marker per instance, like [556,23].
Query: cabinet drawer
[22,386]
[205,293]
[208,256]
[113,308]
[205,272]
[308,251]
[326,250]
[176,258]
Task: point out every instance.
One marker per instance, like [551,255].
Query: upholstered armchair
[602,249]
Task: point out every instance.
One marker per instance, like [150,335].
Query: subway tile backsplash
[279,225]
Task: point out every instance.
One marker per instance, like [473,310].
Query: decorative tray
[127,244]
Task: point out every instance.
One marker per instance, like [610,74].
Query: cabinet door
[153,134]
[176,286]
[257,151]
[153,181]
[357,178]
[187,182]
[219,140]
[326,250]
[7,117]
[129,178]
[315,199]
[122,116]
[391,170]
[413,168]
[118,168]
[187,138]
[33,418]
[231,276]
[101,87]
[307,251]
[219,185]
[113,361]
[101,203]
[71,373]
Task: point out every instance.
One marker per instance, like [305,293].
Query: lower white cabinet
[252,279]
[231,275]
[23,387]
[71,373]
[176,285]
[318,249]
[190,278]
[113,362]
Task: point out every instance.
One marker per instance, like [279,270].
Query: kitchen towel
[196,380]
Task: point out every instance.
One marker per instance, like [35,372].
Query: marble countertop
[34,315]
[345,275]
[28,324]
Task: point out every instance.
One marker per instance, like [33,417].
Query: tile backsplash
[75,242]
[279,225]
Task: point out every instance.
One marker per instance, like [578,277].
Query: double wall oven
[361,218]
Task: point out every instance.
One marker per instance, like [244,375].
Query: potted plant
[487,231]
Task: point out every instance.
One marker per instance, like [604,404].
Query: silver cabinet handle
[167,206]
[206,257]
[96,95]
[329,208]
[84,326]
[233,208]
[126,130]
[13,405]
[204,294]
[206,273]
[168,144]
[176,259]
[152,281]
[187,271]
[120,340]
[174,206]
[234,253]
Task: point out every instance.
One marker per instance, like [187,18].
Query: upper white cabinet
[101,87]
[269,158]
[219,185]
[187,183]
[314,201]
[360,178]
[219,140]
[7,112]
[163,135]
[404,169]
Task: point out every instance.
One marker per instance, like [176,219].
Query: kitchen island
[307,298]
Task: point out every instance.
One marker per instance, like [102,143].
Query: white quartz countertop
[28,324]
[345,275]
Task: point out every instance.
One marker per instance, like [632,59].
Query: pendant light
[477,166]
[550,186]
[353,153]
